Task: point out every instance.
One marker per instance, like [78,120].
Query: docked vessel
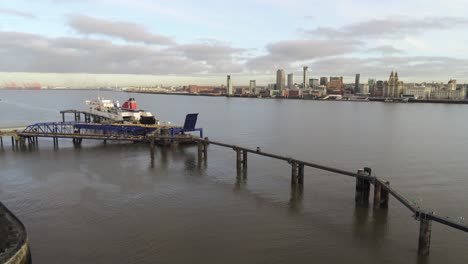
[128,112]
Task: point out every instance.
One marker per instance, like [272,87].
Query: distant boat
[359,98]
[388,100]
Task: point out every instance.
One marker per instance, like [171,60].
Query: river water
[107,204]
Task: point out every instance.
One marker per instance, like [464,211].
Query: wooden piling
[205,148]
[384,197]
[377,194]
[425,228]
[238,158]
[362,189]
[200,150]
[244,159]
[294,166]
[300,176]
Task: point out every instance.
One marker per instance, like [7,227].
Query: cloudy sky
[186,41]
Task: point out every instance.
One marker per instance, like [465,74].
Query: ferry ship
[128,112]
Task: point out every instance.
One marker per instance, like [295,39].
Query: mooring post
[377,194]
[1,141]
[362,188]
[294,166]
[63,117]
[205,148]
[244,159]
[238,158]
[200,150]
[300,177]
[425,228]
[384,196]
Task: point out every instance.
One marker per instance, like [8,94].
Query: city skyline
[179,42]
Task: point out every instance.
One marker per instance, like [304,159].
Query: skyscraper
[290,81]
[252,85]
[356,83]
[229,85]
[371,83]
[305,78]
[393,87]
[280,79]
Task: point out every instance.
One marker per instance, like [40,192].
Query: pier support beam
[425,228]
[294,172]
[362,188]
[300,176]
[238,158]
[244,159]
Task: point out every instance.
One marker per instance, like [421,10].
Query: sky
[178,42]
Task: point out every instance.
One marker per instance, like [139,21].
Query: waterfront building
[364,88]
[417,91]
[356,83]
[305,77]
[379,89]
[371,83]
[335,85]
[290,81]
[324,81]
[229,85]
[393,88]
[280,79]
[450,91]
[252,85]
[314,83]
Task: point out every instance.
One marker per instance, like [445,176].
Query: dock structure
[364,180]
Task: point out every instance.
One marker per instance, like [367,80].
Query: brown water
[106,204]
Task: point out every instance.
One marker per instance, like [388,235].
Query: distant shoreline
[371,99]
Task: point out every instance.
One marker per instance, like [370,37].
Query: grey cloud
[127,31]
[385,49]
[22,52]
[410,68]
[13,12]
[282,54]
[390,27]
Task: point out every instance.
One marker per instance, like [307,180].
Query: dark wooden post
[244,159]
[377,194]
[238,158]
[205,148]
[200,150]
[1,141]
[300,178]
[384,197]
[294,166]
[425,228]
[362,189]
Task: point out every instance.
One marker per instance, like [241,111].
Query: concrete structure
[393,88]
[324,81]
[252,85]
[371,84]
[363,89]
[290,81]
[280,79]
[335,85]
[314,83]
[417,91]
[356,83]
[305,77]
[230,90]
[14,244]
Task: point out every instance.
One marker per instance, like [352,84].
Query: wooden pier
[364,180]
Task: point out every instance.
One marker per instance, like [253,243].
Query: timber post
[294,175]
[205,148]
[362,187]
[244,159]
[238,158]
[300,176]
[200,150]
[425,228]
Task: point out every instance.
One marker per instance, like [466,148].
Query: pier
[364,179]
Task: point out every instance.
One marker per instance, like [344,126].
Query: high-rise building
[252,85]
[393,87]
[324,81]
[305,78]
[290,81]
[229,85]
[379,89]
[280,79]
[371,83]
[356,83]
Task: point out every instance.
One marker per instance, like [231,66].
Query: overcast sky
[186,41]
